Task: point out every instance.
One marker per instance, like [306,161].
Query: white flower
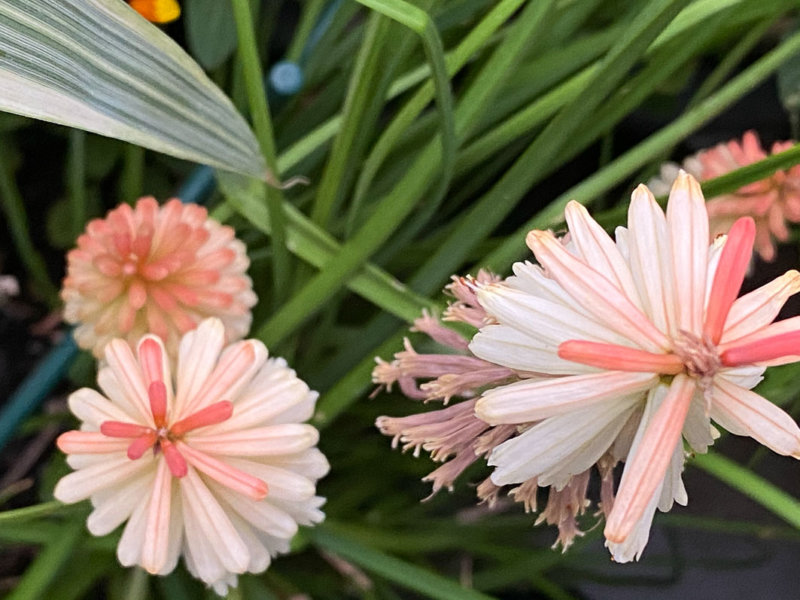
[215,465]
[645,342]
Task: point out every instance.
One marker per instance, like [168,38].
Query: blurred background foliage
[433,135]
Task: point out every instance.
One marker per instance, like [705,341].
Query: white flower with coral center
[218,467]
[648,341]
[159,270]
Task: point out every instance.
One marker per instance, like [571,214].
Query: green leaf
[41,573]
[751,485]
[395,570]
[210,31]
[317,247]
[97,65]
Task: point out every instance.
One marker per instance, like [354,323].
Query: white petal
[632,547]
[687,222]
[552,322]
[714,254]
[205,518]
[93,409]
[697,429]
[259,555]
[305,512]
[530,278]
[528,401]
[599,250]
[129,549]
[509,347]
[116,393]
[237,366]
[155,545]
[673,489]
[309,463]
[259,441]
[748,376]
[757,309]
[650,259]
[559,447]
[116,505]
[198,353]
[281,483]
[596,294]
[260,514]
[743,412]
[276,395]
[83,483]
[129,378]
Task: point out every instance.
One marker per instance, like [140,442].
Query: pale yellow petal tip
[642,191]
[537,237]
[686,182]
[483,411]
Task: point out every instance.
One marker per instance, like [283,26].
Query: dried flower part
[467,308]
[213,465]
[772,202]
[645,341]
[449,374]
[564,506]
[158,270]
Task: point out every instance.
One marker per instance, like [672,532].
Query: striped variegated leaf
[97,65]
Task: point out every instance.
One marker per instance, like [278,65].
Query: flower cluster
[198,443]
[771,202]
[158,270]
[623,349]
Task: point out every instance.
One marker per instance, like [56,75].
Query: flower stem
[259,111]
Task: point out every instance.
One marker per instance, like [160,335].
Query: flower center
[131,265]
[698,354]
[163,437]
[701,360]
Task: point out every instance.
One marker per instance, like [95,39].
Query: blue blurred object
[285,78]
[37,385]
[198,186]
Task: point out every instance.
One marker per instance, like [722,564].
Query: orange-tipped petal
[158,402]
[645,470]
[230,477]
[119,429]
[210,415]
[729,276]
[762,350]
[619,358]
[89,442]
[142,444]
[174,458]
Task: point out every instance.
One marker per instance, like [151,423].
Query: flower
[155,270]
[771,201]
[217,467]
[453,435]
[644,341]
[157,11]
